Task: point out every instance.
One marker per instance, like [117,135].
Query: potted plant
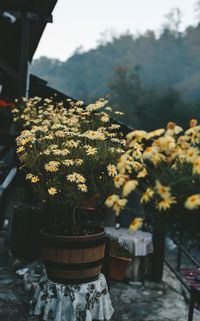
[69,157]
[120,257]
[163,171]
[163,168]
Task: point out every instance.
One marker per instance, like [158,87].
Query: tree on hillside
[148,107]
[197,10]
[126,92]
[171,60]
[173,20]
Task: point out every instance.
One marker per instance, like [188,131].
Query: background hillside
[152,79]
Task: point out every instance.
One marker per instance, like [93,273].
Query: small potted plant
[163,168]
[120,257]
[163,171]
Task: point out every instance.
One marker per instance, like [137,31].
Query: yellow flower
[138,134]
[29,176]
[154,133]
[119,150]
[52,190]
[119,113]
[114,126]
[148,152]
[137,166]
[57,151]
[20,149]
[72,143]
[34,179]
[192,202]
[137,154]
[105,119]
[80,179]
[119,205]
[91,151]
[78,161]
[54,163]
[53,146]
[122,160]
[165,204]
[147,195]
[163,191]
[119,180]
[136,224]
[47,152]
[193,123]
[87,146]
[82,187]
[196,166]
[79,103]
[115,140]
[165,143]
[173,129]
[50,168]
[112,171]
[68,162]
[174,153]
[111,200]
[157,158]
[129,186]
[112,149]
[192,154]
[91,134]
[71,177]
[44,128]
[65,151]
[142,173]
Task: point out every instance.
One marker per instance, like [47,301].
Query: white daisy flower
[71,177]
[112,171]
[82,187]
[68,162]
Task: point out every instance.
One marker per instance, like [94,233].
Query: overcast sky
[82,22]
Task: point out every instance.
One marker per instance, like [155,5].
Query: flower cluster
[69,154]
[162,167]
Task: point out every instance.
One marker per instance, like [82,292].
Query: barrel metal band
[73,244]
[73,266]
[74,281]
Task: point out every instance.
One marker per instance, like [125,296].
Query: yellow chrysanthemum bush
[69,155]
[163,168]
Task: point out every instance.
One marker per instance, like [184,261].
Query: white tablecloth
[140,243]
[82,302]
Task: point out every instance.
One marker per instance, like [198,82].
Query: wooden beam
[28,15]
[35,16]
[8,69]
[24,58]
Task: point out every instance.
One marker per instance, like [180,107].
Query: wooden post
[24,57]
[159,248]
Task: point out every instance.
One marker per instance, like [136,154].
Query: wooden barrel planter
[72,259]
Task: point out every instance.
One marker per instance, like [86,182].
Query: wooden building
[22,23]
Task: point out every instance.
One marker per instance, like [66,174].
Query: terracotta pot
[117,267]
[72,259]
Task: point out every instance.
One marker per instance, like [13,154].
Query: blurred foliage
[118,249]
